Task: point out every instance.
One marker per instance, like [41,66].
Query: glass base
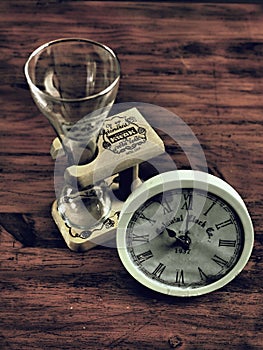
[84,209]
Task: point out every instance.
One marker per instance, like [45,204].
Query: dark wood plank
[200,61]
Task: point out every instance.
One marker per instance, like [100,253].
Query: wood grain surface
[203,62]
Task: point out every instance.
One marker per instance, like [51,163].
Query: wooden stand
[125,141]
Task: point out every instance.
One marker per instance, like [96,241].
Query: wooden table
[203,62]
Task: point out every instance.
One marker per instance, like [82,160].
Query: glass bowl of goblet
[74,83]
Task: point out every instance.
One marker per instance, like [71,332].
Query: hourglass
[74,83]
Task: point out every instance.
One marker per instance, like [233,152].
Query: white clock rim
[184,179]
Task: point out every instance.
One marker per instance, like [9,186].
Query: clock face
[184,241]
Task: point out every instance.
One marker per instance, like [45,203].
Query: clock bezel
[175,180]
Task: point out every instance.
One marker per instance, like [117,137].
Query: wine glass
[74,83]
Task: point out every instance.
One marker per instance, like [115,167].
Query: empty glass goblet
[74,83]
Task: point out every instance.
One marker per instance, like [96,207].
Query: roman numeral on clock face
[188,198]
[223,224]
[220,261]
[179,277]
[166,206]
[208,210]
[140,237]
[144,256]
[203,276]
[159,270]
[142,216]
[227,243]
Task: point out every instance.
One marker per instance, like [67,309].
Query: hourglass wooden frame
[125,141]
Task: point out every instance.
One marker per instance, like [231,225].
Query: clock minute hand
[186,232]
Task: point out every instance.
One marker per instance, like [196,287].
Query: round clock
[184,233]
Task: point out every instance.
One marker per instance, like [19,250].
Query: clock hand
[186,239]
[185,236]
[187,224]
[183,241]
[170,232]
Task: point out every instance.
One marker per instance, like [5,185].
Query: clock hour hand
[170,232]
[183,241]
